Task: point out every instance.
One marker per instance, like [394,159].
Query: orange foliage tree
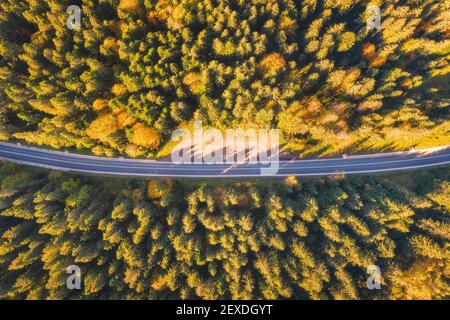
[272,63]
[130,6]
[103,128]
[145,137]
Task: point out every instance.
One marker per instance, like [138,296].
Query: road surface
[375,163]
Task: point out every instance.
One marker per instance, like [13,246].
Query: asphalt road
[375,163]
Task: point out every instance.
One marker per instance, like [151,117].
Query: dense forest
[138,69]
[243,240]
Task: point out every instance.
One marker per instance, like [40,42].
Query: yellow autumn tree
[194,81]
[103,128]
[369,51]
[346,41]
[119,90]
[100,105]
[130,6]
[145,137]
[272,63]
[423,280]
[124,119]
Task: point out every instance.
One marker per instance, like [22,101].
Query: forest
[164,239]
[136,70]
